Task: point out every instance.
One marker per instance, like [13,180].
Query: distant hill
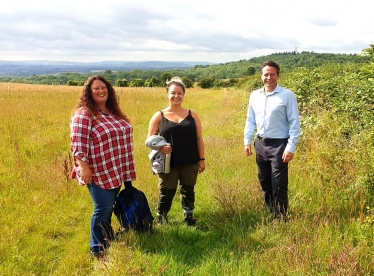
[55,72]
[46,67]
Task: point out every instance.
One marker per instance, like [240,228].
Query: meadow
[45,215]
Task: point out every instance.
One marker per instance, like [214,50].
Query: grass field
[45,215]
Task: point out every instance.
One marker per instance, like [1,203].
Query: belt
[270,139]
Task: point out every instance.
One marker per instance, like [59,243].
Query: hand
[166,149]
[287,156]
[201,166]
[86,175]
[248,150]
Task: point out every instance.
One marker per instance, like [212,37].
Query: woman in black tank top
[181,128]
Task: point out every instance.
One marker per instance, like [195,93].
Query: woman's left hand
[166,149]
[201,166]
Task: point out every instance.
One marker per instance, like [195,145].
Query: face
[99,92]
[269,78]
[175,94]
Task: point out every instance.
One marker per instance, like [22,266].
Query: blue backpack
[132,210]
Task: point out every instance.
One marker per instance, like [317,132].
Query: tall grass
[45,215]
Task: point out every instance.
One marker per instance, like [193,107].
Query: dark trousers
[273,173]
[168,184]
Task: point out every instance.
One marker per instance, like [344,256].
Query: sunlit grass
[45,215]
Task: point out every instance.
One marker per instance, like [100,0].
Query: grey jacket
[155,142]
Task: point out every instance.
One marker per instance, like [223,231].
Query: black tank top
[183,138]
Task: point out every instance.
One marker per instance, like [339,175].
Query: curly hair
[112,104]
[176,81]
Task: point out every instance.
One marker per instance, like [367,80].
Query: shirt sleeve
[294,123]
[80,129]
[250,125]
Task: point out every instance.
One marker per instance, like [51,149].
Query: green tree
[288,62]
[368,51]
[251,71]
[136,83]
[187,82]
[233,81]
[206,83]
[122,83]
[164,77]
[220,83]
[152,82]
[72,83]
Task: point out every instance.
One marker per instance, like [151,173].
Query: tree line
[205,76]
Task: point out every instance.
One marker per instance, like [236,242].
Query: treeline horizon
[205,76]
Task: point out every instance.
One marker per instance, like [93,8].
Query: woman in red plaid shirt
[101,144]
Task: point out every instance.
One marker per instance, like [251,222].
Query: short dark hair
[271,64]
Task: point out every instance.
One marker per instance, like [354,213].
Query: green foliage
[369,51]
[225,83]
[164,77]
[74,83]
[367,72]
[230,70]
[206,83]
[136,83]
[187,82]
[250,83]
[152,82]
[122,83]
[251,71]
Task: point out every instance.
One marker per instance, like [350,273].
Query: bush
[152,82]
[136,83]
[73,83]
[187,82]
[206,83]
[122,83]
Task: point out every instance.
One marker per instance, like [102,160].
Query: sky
[216,31]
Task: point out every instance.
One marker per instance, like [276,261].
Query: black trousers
[273,173]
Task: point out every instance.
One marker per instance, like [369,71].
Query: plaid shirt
[105,143]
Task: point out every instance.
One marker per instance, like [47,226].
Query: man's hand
[287,156]
[248,150]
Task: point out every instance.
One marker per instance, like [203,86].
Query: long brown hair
[112,103]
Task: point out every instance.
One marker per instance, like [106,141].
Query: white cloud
[203,30]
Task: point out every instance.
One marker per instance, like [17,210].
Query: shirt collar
[276,90]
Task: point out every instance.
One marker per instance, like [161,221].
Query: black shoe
[162,219]
[280,216]
[100,256]
[189,219]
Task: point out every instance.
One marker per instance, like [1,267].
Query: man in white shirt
[273,112]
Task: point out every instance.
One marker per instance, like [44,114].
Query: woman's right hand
[85,172]
[86,175]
